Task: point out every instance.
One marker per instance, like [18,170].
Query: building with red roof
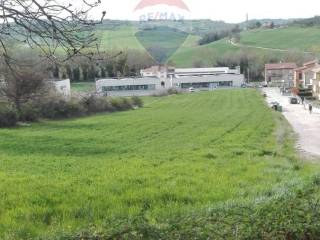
[280,74]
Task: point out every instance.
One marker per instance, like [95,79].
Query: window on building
[129,88]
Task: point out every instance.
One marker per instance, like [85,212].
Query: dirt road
[262,48]
[306,125]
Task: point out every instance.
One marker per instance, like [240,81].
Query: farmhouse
[155,71]
[280,74]
[202,79]
[298,76]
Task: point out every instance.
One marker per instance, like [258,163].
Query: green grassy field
[293,38]
[305,39]
[161,42]
[120,38]
[207,54]
[83,87]
[177,155]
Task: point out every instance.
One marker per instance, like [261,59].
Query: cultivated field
[178,155]
[292,38]
[295,38]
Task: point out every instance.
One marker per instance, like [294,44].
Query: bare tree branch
[48,25]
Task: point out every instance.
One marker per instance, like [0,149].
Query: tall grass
[177,156]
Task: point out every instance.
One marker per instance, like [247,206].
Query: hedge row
[58,108]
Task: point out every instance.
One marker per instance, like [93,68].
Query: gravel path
[262,48]
[306,125]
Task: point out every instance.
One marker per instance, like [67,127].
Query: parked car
[192,90]
[293,100]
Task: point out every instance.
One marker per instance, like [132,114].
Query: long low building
[210,82]
[149,86]
[163,72]
[128,86]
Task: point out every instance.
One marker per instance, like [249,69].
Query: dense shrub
[121,104]
[56,108]
[59,108]
[137,102]
[166,92]
[95,104]
[8,116]
[29,113]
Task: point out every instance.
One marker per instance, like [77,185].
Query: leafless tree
[22,87]
[47,25]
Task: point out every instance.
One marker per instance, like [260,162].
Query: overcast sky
[227,10]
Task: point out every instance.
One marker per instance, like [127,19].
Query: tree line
[107,65]
[218,35]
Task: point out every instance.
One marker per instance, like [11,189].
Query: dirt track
[306,125]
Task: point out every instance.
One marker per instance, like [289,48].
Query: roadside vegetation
[215,164]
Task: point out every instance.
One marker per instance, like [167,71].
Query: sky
[232,11]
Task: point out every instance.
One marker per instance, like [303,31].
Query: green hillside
[119,38]
[293,38]
[305,39]
[161,42]
[186,56]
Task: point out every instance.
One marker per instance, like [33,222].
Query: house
[316,83]
[303,76]
[155,71]
[298,77]
[280,74]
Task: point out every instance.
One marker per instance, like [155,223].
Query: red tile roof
[276,66]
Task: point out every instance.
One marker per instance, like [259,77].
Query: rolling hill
[304,39]
[263,42]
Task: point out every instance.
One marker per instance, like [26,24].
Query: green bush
[121,104]
[29,113]
[60,108]
[137,102]
[95,104]
[166,92]
[8,116]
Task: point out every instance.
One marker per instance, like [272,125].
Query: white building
[209,82]
[155,71]
[151,85]
[128,86]
[164,72]
[178,72]
[62,87]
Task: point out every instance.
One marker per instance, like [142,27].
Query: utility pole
[247,21]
